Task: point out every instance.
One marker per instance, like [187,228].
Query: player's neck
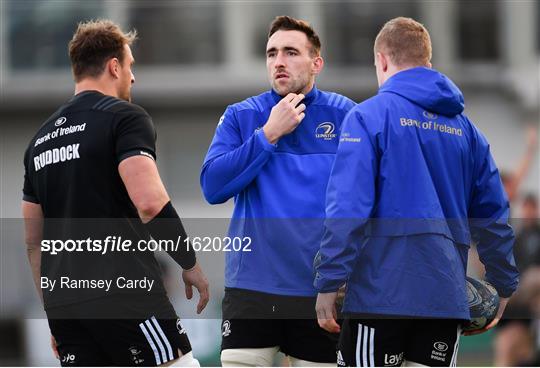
[95,85]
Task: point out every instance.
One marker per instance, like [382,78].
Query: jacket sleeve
[231,163]
[488,220]
[350,200]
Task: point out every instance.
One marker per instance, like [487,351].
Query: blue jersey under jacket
[279,190]
[413,183]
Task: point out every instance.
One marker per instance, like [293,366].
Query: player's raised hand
[326,311]
[285,116]
[195,277]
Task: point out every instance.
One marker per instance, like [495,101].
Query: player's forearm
[228,174]
[166,225]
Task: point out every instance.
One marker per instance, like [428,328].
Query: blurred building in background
[193,58]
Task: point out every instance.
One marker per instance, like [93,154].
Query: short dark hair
[286,23]
[93,44]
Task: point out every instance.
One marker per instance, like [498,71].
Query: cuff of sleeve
[326,286]
[136,152]
[262,139]
[29,198]
[504,292]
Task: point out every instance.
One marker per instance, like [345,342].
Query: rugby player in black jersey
[90,173]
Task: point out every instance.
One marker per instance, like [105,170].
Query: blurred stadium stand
[193,58]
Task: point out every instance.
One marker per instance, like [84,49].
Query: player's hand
[500,311]
[284,117]
[54,348]
[326,311]
[195,277]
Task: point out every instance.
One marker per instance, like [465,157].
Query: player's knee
[186,360]
[295,362]
[260,357]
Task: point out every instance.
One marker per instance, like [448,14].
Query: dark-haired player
[273,154]
[90,173]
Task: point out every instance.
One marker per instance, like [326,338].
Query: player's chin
[282,88]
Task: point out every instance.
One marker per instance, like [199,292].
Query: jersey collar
[310,97]
[84,93]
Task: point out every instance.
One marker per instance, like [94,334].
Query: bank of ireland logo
[226,328]
[60,121]
[429,115]
[325,131]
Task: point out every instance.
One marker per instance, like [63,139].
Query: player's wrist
[166,225]
[271,136]
[192,269]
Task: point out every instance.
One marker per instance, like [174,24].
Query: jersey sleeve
[29,195]
[231,163]
[350,199]
[488,220]
[134,135]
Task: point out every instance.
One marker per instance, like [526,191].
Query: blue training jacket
[279,190]
[413,183]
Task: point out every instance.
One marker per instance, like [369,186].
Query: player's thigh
[247,322]
[248,357]
[305,340]
[372,342]
[148,342]
[434,342]
[76,346]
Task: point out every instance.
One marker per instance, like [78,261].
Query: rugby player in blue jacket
[273,154]
[413,183]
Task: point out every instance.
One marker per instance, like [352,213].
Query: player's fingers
[482,330]
[289,97]
[301,117]
[204,297]
[300,108]
[492,324]
[296,100]
[334,326]
[329,324]
[189,291]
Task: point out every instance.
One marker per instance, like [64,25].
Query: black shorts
[258,320]
[389,342]
[148,341]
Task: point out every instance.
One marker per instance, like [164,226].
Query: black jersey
[71,170]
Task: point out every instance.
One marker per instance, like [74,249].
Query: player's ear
[382,61]
[318,64]
[113,67]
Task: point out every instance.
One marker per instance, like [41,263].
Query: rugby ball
[483,303]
